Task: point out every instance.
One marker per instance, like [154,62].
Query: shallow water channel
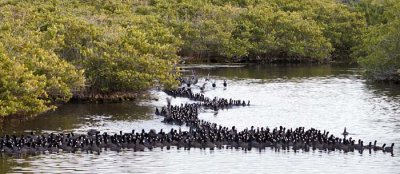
[327,97]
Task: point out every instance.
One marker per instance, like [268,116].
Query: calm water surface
[323,97]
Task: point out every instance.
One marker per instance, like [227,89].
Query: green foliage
[52,49]
[282,34]
[205,29]
[340,25]
[64,48]
[375,11]
[19,88]
[379,52]
[304,29]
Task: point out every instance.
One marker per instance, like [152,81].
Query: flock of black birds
[201,134]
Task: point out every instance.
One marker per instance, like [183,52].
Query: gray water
[323,97]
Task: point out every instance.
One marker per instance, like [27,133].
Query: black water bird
[345,133]
[157,111]
[201,134]
[376,148]
[389,149]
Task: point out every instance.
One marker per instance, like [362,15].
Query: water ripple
[322,97]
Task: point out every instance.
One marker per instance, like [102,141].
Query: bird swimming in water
[201,134]
[214,85]
[225,84]
[389,149]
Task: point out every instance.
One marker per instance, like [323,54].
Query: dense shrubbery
[51,49]
[19,88]
[283,29]
[379,52]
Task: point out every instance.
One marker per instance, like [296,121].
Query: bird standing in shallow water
[345,133]
[203,87]
[168,101]
[225,84]
[208,77]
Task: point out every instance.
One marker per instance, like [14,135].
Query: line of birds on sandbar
[201,134]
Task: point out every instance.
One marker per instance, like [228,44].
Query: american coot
[389,149]
[376,148]
[202,134]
